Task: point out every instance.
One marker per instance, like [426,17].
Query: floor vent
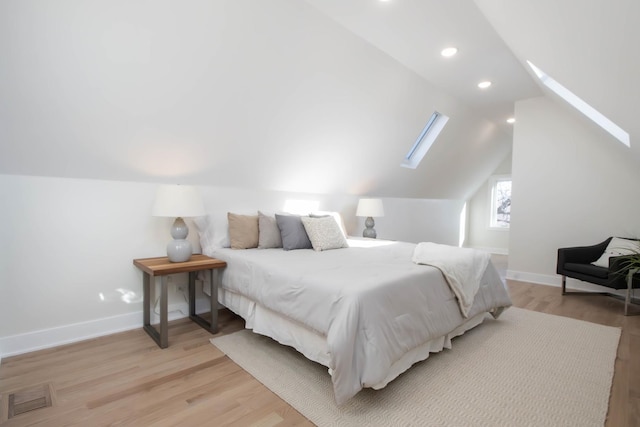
[29,399]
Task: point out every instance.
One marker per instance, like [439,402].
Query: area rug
[525,369]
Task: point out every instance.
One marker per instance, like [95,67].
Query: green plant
[624,263]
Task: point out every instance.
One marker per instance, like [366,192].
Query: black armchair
[576,262]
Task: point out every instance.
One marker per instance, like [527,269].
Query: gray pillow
[269,236]
[292,232]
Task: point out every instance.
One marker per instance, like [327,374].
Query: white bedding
[462,268]
[370,301]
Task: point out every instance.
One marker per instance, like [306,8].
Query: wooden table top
[161,265]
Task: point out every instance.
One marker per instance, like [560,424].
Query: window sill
[498,228]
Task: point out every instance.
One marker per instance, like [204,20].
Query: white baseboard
[556,280]
[47,338]
[67,334]
[540,279]
[496,251]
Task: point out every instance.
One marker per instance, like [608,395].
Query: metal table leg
[161,338]
[211,326]
[164,303]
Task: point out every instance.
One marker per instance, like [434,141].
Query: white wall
[480,235]
[418,220]
[573,184]
[66,241]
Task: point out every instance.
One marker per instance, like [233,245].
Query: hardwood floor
[125,379]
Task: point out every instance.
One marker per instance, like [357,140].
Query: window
[586,109]
[500,193]
[426,138]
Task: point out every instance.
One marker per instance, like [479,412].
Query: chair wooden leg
[564,285]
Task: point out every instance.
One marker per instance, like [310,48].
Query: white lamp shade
[178,201]
[370,207]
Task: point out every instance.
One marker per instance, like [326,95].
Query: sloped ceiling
[588,46]
[247,93]
[415,31]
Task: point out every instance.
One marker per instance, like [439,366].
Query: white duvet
[370,301]
[462,268]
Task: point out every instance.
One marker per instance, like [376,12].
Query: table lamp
[369,208]
[179,201]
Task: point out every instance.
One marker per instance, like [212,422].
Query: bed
[367,312]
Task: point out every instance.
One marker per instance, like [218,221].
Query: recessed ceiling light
[511,120]
[450,51]
[484,85]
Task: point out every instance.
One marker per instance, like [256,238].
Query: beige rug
[526,369]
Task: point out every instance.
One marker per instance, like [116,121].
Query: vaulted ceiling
[414,32]
[589,46]
[318,96]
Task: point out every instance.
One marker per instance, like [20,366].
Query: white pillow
[335,215]
[213,230]
[617,247]
[324,233]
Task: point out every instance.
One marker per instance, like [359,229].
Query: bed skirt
[313,345]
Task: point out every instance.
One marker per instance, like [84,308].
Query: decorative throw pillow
[617,247]
[213,230]
[269,233]
[243,231]
[324,233]
[335,215]
[292,232]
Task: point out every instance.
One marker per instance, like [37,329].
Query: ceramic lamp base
[369,232]
[179,249]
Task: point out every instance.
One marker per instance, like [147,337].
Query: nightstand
[161,266]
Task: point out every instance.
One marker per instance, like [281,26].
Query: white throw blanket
[461,267]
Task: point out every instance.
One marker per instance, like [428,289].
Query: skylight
[426,138]
[586,109]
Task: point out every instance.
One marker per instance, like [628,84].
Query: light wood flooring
[125,379]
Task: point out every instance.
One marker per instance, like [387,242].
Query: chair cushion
[588,269]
